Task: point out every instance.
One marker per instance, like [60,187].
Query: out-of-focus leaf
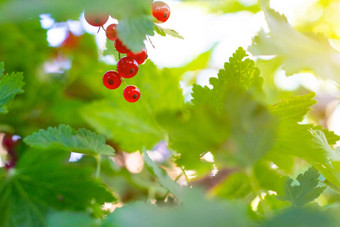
[63,137]
[297,51]
[300,217]
[70,219]
[199,213]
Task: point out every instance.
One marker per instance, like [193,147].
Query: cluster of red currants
[10,142]
[127,67]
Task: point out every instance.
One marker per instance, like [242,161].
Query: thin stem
[98,29]
[119,56]
[186,176]
[125,82]
[103,28]
[150,42]
[98,159]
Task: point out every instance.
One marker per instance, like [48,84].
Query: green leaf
[164,179]
[40,181]
[70,219]
[111,50]
[132,31]
[238,72]
[199,213]
[63,137]
[307,190]
[10,86]
[300,217]
[298,51]
[165,31]
[294,108]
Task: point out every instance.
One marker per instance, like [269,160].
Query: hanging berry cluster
[127,67]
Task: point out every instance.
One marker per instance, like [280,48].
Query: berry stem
[124,82]
[98,30]
[103,28]
[119,56]
[150,42]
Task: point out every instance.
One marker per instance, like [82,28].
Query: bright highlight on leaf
[64,137]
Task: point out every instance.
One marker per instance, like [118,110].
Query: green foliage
[10,86]
[63,137]
[307,190]
[297,51]
[41,181]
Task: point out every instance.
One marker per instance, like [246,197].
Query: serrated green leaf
[40,181]
[63,137]
[238,72]
[10,86]
[297,51]
[294,108]
[307,190]
[165,31]
[132,31]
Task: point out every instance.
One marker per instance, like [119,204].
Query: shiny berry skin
[120,47]
[111,32]
[112,80]
[139,57]
[131,93]
[161,11]
[96,19]
[127,67]
[10,141]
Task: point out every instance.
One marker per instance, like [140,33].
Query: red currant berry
[161,11]
[120,47]
[139,57]
[127,67]
[10,141]
[131,93]
[111,32]
[96,19]
[112,80]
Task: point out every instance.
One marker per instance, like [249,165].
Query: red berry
[10,141]
[120,47]
[139,57]
[111,32]
[112,80]
[131,93]
[127,67]
[95,18]
[161,11]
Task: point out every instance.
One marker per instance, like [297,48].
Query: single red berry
[127,67]
[161,11]
[96,19]
[139,57]
[120,47]
[112,80]
[10,141]
[131,93]
[111,32]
